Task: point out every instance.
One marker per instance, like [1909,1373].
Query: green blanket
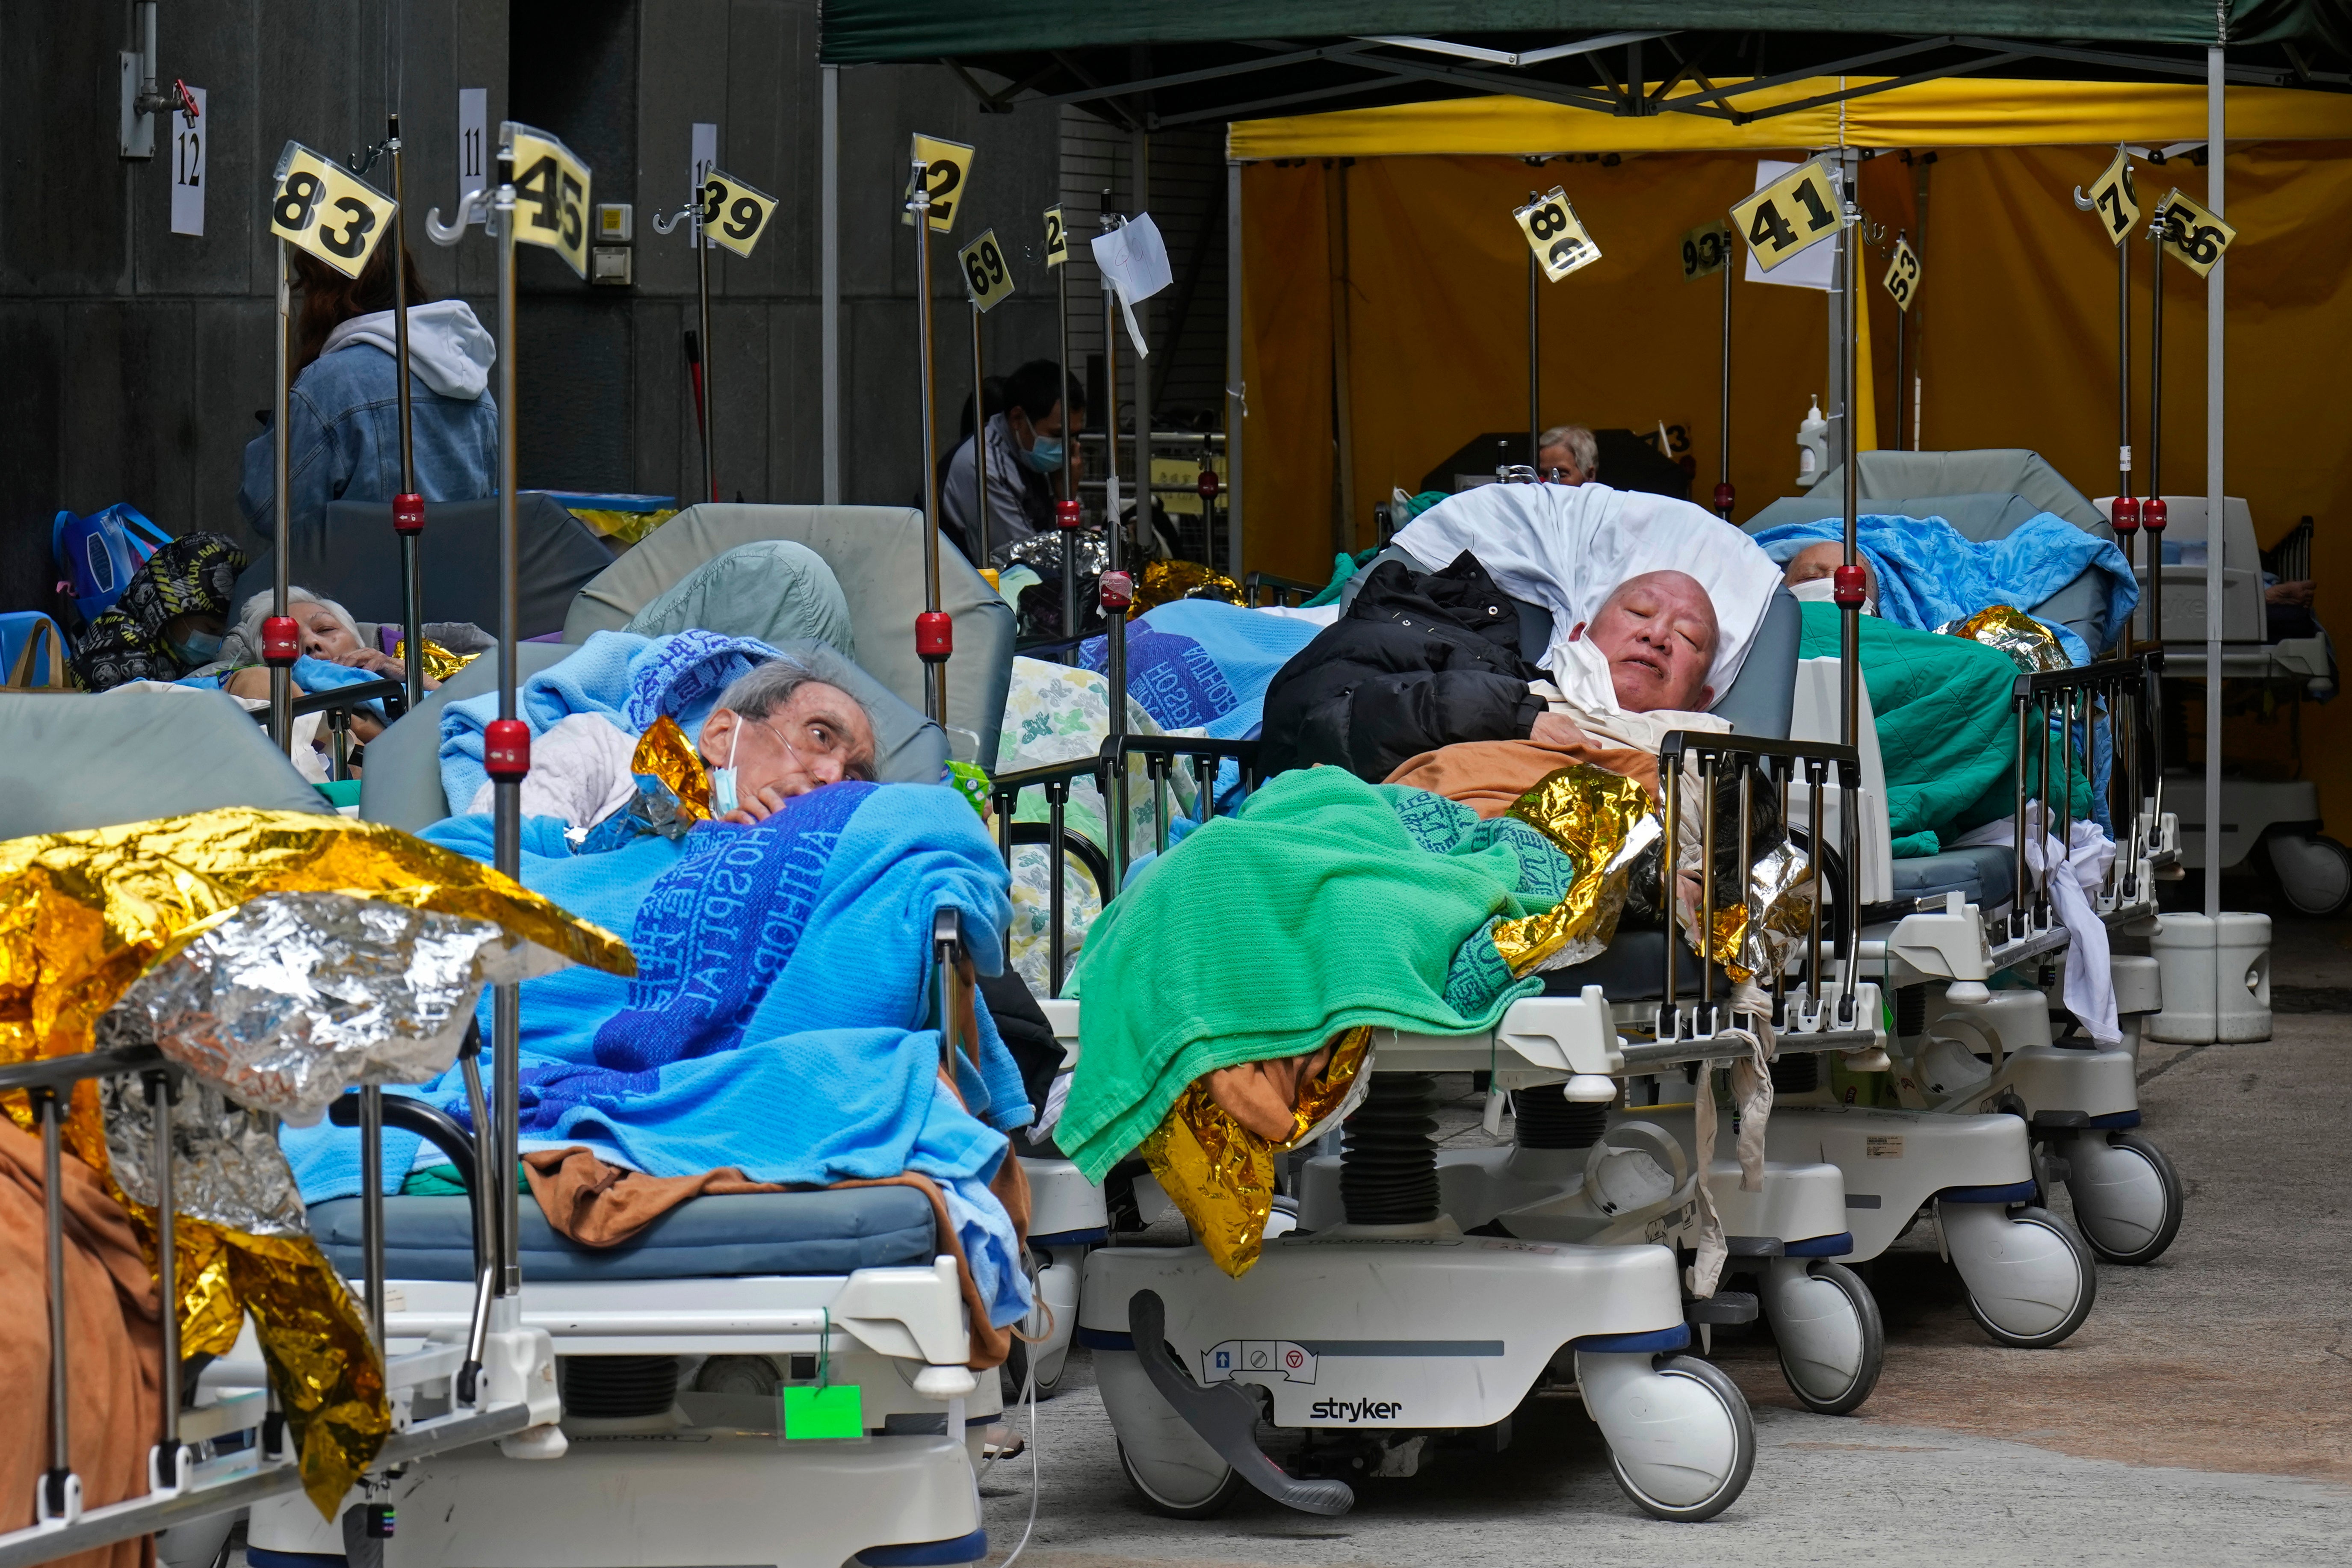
[1324,903]
[1945,734]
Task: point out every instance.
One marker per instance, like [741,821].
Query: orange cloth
[113,1347]
[1263,1096]
[1489,776]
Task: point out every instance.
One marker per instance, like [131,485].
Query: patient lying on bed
[1421,662]
[777,733]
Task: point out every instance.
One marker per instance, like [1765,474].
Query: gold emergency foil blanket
[439,663]
[663,752]
[1757,935]
[2032,645]
[1602,822]
[84,914]
[1220,1176]
[1163,581]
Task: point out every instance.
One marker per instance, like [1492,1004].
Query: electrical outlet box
[612,264]
[615,223]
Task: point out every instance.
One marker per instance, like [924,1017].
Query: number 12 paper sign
[1793,213]
[327,210]
[551,186]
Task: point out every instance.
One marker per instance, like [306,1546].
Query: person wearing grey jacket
[345,425]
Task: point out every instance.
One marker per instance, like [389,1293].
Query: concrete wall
[135,358]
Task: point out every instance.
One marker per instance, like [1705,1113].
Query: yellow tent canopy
[1954,111]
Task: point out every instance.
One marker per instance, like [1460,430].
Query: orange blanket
[113,1345]
[1489,776]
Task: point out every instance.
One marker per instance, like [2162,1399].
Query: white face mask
[1823,590]
[723,779]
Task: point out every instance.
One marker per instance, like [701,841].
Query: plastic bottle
[1812,446]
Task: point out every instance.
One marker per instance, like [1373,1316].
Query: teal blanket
[1946,735]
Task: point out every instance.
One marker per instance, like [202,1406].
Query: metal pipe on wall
[2216,497]
[829,276]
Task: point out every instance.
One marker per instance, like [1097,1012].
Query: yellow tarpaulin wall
[1384,312]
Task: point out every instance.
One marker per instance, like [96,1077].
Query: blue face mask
[198,648]
[1045,457]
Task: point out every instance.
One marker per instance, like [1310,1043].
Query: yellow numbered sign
[985,272]
[328,210]
[735,213]
[1057,237]
[2116,199]
[1553,233]
[1706,252]
[947,172]
[1902,278]
[551,193]
[2194,236]
[1793,213]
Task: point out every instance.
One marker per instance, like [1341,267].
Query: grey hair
[765,688]
[1580,446]
[257,610]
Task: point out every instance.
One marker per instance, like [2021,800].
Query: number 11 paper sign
[327,210]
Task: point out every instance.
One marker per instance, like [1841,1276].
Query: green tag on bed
[834,1412]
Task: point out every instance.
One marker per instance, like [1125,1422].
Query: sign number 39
[327,210]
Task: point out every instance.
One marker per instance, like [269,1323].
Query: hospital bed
[86,761]
[2279,818]
[1936,929]
[1597,1305]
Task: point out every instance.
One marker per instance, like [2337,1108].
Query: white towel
[1569,547]
[2090,983]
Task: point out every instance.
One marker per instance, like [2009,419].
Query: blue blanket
[1199,663]
[778,1020]
[1930,573]
[630,679]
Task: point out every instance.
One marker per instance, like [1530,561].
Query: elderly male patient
[777,731]
[1423,661]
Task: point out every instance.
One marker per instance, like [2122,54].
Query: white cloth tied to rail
[2084,863]
[1751,1096]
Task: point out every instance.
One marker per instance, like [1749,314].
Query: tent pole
[1535,364]
[1236,389]
[1725,497]
[2216,498]
[829,275]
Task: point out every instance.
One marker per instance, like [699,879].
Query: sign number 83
[323,208]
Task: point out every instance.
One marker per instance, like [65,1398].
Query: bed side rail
[2056,716]
[187,1479]
[1819,1003]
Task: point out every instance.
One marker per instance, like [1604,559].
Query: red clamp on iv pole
[1723,497]
[1208,484]
[1117,591]
[408,514]
[934,637]
[2153,514]
[281,640]
[1848,586]
[505,749]
[1066,514]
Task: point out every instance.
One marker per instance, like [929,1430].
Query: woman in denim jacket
[344,432]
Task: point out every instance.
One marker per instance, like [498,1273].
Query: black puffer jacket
[1419,660]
